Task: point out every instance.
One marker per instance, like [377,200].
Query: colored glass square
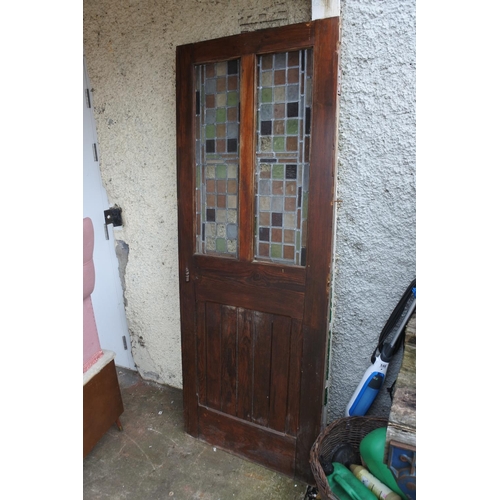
[232,98]
[232,67]
[266,95]
[291,171]
[210,146]
[278,171]
[232,145]
[220,115]
[292,109]
[220,245]
[266,127]
[263,233]
[276,219]
[279,144]
[210,131]
[276,251]
[221,171]
[292,127]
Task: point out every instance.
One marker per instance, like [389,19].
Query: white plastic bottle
[381,491]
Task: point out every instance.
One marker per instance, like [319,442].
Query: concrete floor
[153,458]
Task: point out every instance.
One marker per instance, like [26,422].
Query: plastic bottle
[382,491]
[345,486]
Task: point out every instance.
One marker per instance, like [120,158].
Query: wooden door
[256,123]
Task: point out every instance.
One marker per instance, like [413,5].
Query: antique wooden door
[256,124]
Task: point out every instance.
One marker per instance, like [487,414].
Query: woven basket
[344,430]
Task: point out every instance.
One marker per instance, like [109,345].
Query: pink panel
[91,346]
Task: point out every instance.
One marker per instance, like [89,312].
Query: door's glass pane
[217,157]
[282,158]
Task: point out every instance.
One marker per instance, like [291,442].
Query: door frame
[324,36]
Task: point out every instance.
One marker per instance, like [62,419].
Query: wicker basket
[344,430]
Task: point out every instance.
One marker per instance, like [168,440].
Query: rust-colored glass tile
[289,236]
[232,82]
[232,186]
[210,100]
[221,146]
[293,58]
[264,249]
[210,200]
[232,114]
[280,77]
[293,75]
[221,186]
[210,186]
[279,111]
[279,127]
[210,70]
[276,235]
[291,188]
[265,218]
[267,61]
[277,187]
[290,204]
[221,201]
[291,144]
[288,252]
[221,84]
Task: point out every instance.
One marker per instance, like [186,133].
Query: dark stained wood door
[256,131]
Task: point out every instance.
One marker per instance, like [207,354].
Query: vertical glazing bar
[247,157]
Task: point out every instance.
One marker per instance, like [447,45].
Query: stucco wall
[130,53]
[375,238]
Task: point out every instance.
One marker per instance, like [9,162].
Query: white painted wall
[130,50]
[376,240]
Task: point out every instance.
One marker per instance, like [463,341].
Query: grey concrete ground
[153,458]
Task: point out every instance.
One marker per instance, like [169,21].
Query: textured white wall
[130,52]
[375,245]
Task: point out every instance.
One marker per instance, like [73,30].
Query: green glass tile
[279,144]
[276,251]
[220,115]
[292,127]
[210,131]
[221,171]
[220,245]
[266,95]
[232,98]
[278,171]
[297,241]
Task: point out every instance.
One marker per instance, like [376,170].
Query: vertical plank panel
[262,367]
[201,353]
[292,419]
[245,364]
[229,334]
[213,339]
[279,373]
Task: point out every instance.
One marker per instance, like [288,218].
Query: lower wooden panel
[102,405]
[269,448]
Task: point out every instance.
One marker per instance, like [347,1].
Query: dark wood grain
[229,360]
[213,343]
[245,364]
[280,360]
[262,368]
[269,448]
